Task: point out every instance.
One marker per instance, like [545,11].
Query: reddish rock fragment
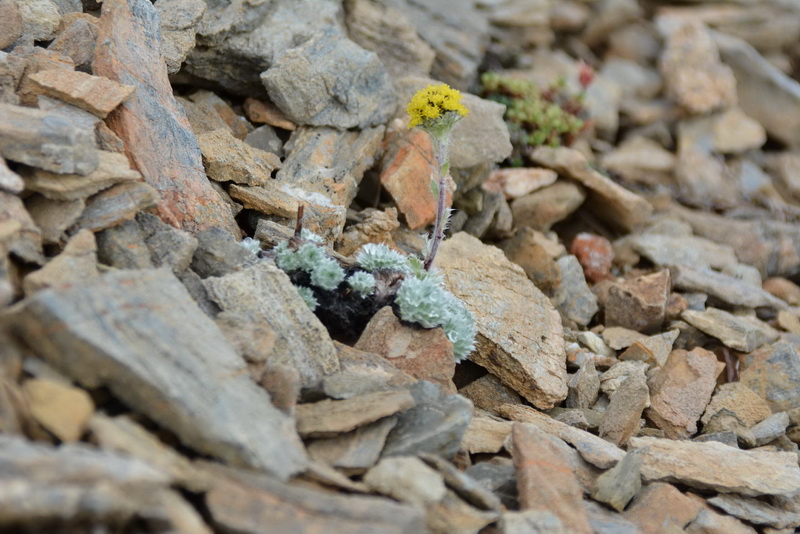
[95,94]
[659,506]
[265,112]
[595,254]
[640,303]
[157,135]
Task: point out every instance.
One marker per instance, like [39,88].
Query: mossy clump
[535,117]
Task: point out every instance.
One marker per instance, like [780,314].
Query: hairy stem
[440,148]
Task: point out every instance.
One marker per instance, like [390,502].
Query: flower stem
[440,149]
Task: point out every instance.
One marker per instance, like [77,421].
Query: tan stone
[9,180]
[113,168]
[515,183]
[485,434]
[783,289]
[227,159]
[741,401]
[532,251]
[543,208]
[789,322]
[77,263]
[425,354]
[714,466]
[489,393]
[115,205]
[681,389]
[265,112]
[734,132]
[622,418]
[330,417]
[519,332]
[545,480]
[659,507]
[736,332]
[639,303]
[53,217]
[62,409]
[97,95]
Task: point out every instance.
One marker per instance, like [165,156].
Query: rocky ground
[638,319]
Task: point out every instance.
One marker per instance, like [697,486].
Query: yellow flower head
[432,103]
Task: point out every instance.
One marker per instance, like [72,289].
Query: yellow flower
[433,102]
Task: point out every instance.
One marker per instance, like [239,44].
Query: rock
[485,434]
[639,303]
[244,502]
[331,81]
[764,91]
[265,112]
[425,354]
[27,238]
[354,451]
[61,409]
[218,254]
[543,208]
[167,245]
[45,140]
[788,322]
[478,139]
[532,522]
[387,31]
[11,25]
[458,34]
[612,203]
[536,254]
[40,20]
[53,217]
[593,449]
[226,159]
[516,183]
[726,288]
[94,94]
[264,138]
[544,479]
[603,521]
[123,435]
[519,342]
[735,133]
[9,180]
[157,136]
[773,372]
[665,250]
[407,479]
[619,373]
[488,393]
[661,506]
[617,486]
[619,338]
[769,429]
[583,386]
[595,255]
[77,263]
[237,124]
[736,332]
[362,372]
[681,390]
[202,116]
[740,400]
[572,297]
[595,344]
[329,417]
[166,380]
[115,205]
[77,42]
[755,511]
[260,299]
[178,21]
[622,418]
[714,466]
[640,160]
[113,168]
[407,165]
[693,75]
[435,425]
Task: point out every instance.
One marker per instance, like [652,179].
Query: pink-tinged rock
[660,506]
[158,139]
[423,353]
[515,183]
[640,303]
[595,254]
[681,390]
[95,94]
[544,478]
[407,167]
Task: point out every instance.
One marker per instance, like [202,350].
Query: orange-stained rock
[158,139]
[265,112]
[595,254]
[95,94]
[406,172]
[660,505]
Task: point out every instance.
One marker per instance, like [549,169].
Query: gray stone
[714,466]
[543,208]
[76,263]
[774,373]
[769,429]
[331,81]
[77,42]
[9,180]
[169,246]
[330,417]
[755,511]
[178,20]
[53,217]
[115,205]
[219,254]
[435,425]
[407,479]
[617,486]
[666,250]
[583,386]
[765,93]
[498,478]
[736,332]
[462,484]
[726,288]
[262,298]
[572,297]
[172,358]
[123,247]
[355,451]
[46,140]
[265,138]
[533,522]
[603,521]
[622,418]
[519,333]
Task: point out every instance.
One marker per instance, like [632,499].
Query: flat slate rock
[263,297]
[330,417]
[520,336]
[157,135]
[140,334]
